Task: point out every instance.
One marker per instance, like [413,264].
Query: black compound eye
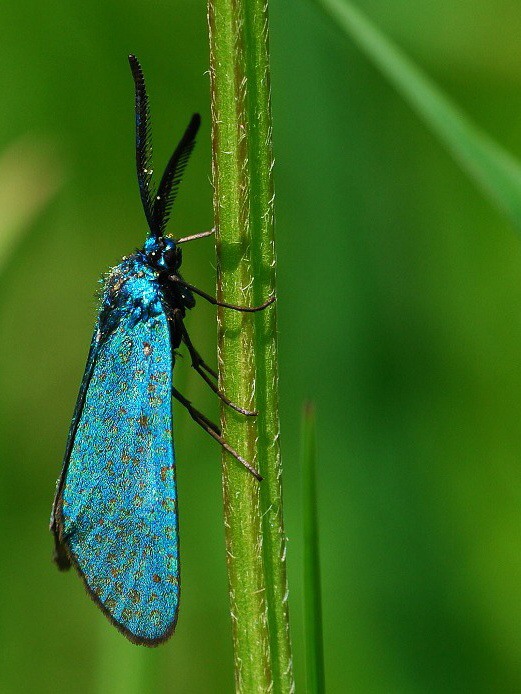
[170,256]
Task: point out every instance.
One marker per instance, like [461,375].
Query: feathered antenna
[157,206]
[173,174]
[143,143]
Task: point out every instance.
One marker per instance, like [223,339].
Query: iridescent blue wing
[117,508]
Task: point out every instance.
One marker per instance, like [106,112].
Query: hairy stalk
[263,260]
[243,204]
[235,346]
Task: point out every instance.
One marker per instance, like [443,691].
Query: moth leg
[186,403]
[200,366]
[212,300]
[213,430]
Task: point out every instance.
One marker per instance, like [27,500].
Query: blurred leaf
[312,584]
[493,168]
[30,176]
[121,665]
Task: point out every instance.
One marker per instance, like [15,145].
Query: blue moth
[114,516]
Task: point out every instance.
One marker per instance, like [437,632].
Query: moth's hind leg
[203,369]
[213,430]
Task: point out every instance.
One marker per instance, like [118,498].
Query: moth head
[163,253]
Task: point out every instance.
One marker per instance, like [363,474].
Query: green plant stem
[312,585]
[492,167]
[243,206]
[266,357]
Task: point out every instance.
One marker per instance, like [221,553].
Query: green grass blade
[121,666]
[312,585]
[493,168]
[243,206]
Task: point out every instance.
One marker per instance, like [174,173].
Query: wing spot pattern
[134,596]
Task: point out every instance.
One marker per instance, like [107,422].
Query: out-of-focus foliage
[494,169]
[400,315]
[29,178]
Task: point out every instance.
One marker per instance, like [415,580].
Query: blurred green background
[399,314]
